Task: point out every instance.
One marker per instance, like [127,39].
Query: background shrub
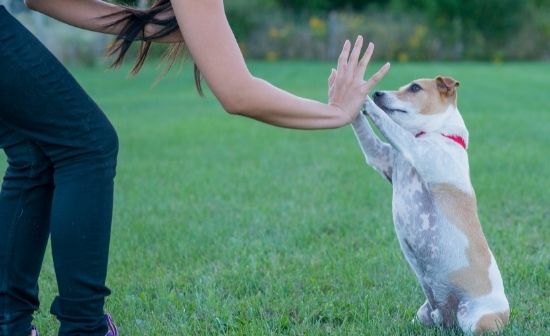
[416,30]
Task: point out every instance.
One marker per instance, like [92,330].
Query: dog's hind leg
[424,313]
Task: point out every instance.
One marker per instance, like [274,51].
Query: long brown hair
[133,23]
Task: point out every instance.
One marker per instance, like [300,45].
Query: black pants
[61,152]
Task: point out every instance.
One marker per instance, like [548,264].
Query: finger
[376,78]
[362,67]
[354,57]
[332,77]
[341,70]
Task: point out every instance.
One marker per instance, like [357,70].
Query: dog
[434,203]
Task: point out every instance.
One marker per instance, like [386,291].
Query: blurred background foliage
[403,30]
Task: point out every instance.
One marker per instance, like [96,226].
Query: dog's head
[424,105]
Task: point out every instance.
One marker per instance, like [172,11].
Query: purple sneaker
[113,331]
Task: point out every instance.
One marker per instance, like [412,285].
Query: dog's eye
[415,87]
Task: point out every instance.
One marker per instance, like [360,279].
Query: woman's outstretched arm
[94,15]
[215,51]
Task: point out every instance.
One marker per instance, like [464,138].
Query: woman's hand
[347,87]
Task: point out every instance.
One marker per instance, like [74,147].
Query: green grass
[223,225]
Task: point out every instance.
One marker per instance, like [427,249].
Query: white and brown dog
[434,204]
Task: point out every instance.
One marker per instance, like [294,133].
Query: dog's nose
[378,94]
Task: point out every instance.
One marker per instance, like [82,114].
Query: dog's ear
[446,85]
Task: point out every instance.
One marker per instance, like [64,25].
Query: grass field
[223,225]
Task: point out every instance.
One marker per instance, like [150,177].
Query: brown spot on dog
[460,209]
[435,96]
[490,323]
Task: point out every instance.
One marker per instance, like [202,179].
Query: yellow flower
[419,34]
[274,32]
[317,26]
[271,56]
[402,57]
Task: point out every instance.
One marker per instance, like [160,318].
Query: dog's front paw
[370,108]
[368,105]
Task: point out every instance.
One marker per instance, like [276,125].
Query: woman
[62,150]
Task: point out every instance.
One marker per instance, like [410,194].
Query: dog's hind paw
[436,316]
[423,315]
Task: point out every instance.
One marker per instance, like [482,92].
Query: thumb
[332,77]
[368,85]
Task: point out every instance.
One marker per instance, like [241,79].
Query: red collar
[456,138]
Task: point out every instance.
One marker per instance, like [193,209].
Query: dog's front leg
[378,154]
[401,140]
